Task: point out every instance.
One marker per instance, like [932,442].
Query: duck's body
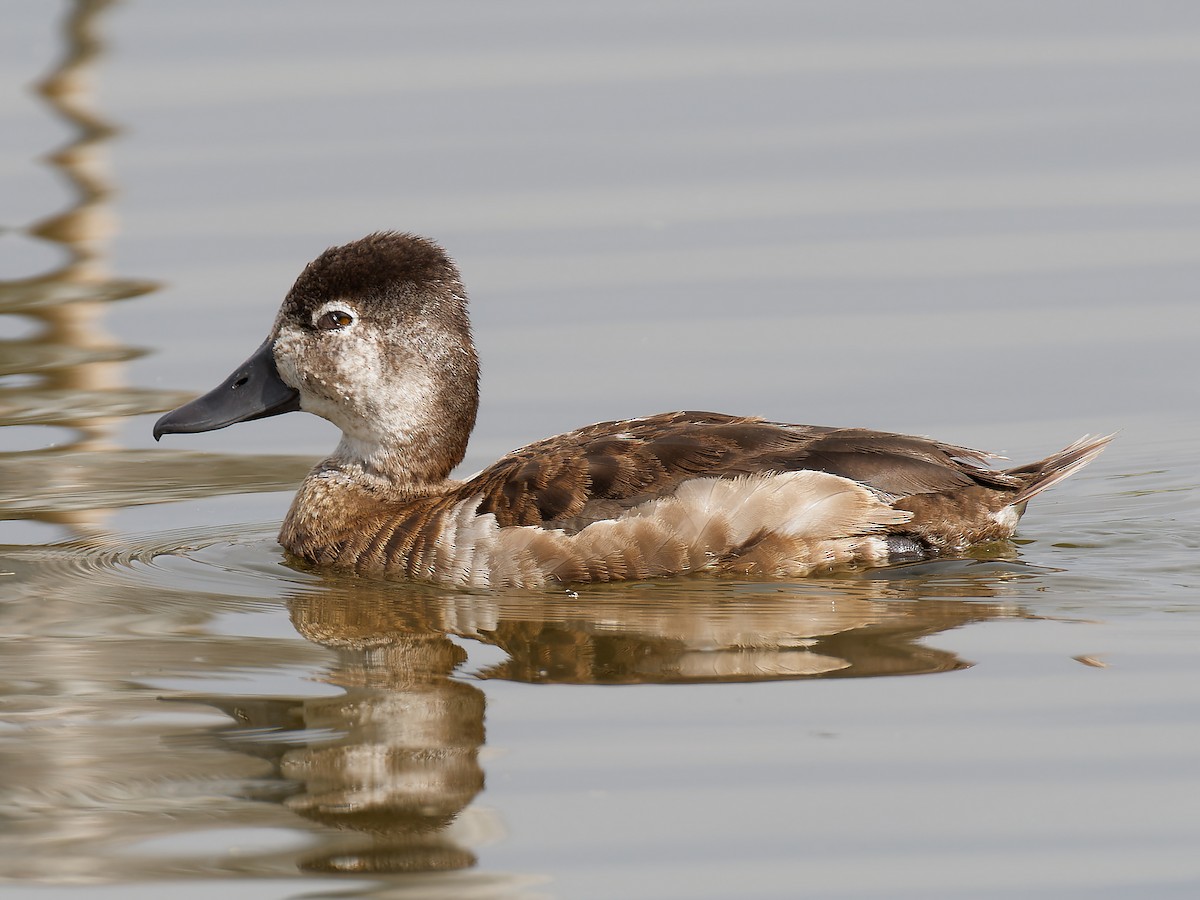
[374,337]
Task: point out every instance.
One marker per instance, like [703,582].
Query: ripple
[220,568]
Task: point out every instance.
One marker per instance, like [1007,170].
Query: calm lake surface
[978,221]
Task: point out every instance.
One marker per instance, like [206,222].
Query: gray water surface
[978,221]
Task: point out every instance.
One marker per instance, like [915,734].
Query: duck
[374,336]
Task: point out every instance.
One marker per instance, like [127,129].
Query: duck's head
[374,337]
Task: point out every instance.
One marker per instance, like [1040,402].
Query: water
[978,221]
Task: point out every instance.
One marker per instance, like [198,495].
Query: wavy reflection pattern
[67,373]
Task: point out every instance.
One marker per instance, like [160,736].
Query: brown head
[374,337]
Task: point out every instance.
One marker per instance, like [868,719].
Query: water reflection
[67,373]
[394,760]
[392,764]
[684,630]
[85,626]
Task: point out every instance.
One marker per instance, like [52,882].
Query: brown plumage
[374,337]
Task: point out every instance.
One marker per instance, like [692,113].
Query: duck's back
[574,479]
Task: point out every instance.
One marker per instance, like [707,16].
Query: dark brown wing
[598,472]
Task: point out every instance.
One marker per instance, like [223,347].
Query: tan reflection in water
[83,633]
[393,764]
[68,374]
[678,630]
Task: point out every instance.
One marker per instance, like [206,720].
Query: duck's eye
[333,320]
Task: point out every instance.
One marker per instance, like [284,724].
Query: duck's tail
[1050,471]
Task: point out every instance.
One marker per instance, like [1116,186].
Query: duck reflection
[392,764]
[683,630]
[393,761]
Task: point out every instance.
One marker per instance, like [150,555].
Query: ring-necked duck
[374,337]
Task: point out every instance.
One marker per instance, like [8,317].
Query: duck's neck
[406,466]
[347,493]
[376,470]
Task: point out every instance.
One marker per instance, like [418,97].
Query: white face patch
[360,380]
[335,370]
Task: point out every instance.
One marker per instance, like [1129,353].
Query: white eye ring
[334,316]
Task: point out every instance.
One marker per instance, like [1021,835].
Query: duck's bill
[253,391]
